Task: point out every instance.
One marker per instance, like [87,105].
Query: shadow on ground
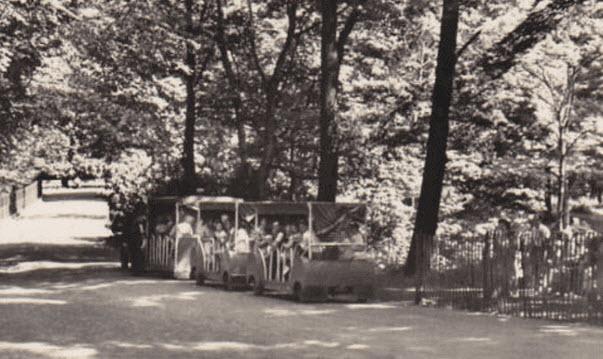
[88,195]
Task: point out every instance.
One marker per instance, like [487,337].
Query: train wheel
[297,292]
[200,278]
[257,285]
[363,294]
[227,280]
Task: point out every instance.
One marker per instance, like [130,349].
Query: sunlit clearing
[50,351]
[239,346]
[280,312]
[389,329]
[130,345]
[320,343]
[96,286]
[371,306]
[357,346]
[216,346]
[31,266]
[7,290]
[39,301]
[155,300]
[559,330]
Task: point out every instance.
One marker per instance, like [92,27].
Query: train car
[162,214]
[223,243]
[322,251]
[173,241]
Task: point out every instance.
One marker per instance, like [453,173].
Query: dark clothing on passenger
[134,239]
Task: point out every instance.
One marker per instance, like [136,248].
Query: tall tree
[188,156]
[435,162]
[270,71]
[331,57]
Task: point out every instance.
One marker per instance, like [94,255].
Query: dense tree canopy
[230,92]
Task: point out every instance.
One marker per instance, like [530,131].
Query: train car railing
[184,256]
[277,264]
[160,253]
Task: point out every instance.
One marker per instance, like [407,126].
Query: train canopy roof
[297,208]
[194,202]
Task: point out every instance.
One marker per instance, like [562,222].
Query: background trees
[305,99]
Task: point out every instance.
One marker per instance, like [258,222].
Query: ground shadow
[97,250]
[67,216]
[73,196]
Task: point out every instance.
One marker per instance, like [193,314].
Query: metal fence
[558,277]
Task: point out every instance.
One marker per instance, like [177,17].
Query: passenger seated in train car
[337,235]
[292,240]
[294,237]
[345,252]
[205,233]
[278,235]
[220,236]
[202,228]
[163,225]
[307,238]
[185,227]
[242,238]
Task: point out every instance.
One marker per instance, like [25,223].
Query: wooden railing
[209,253]
[276,263]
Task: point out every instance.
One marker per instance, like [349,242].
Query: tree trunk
[548,192]
[329,65]
[269,139]
[188,156]
[435,162]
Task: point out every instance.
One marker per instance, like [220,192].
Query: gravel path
[63,296]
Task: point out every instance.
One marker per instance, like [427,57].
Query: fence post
[423,254]
[40,188]
[486,263]
[13,200]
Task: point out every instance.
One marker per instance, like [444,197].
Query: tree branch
[253,50]
[570,146]
[471,40]
[501,57]
[221,42]
[278,67]
[347,30]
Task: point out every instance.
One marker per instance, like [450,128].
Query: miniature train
[310,250]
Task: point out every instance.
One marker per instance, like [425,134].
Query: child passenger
[242,240]
[221,236]
[184,228]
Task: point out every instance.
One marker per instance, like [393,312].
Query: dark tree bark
[188,156]
[548,193]
[270,86]
[328,166]
[435,162]
[331,56]
[235,97]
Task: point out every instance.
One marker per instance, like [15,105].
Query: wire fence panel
[526,275]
